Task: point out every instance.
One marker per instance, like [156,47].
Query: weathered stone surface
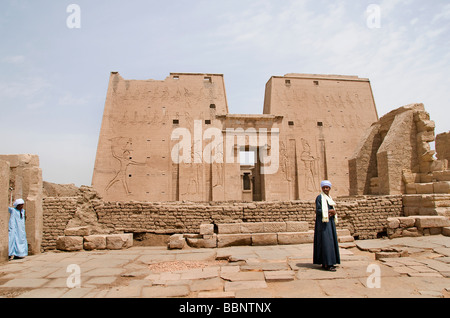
[229,228]
[177,241]
[274,227]
[242,276]
[207,241]
[77,231]
[446,231]
[252,227]
[393,223]
[279,276]
[119,241]
[4,215]
[240,285]
[345,239]
[264,239]
[297,226]
[224,240]
[406,221]
[441,187]
[165,291]
[206,229]
[295,237]
[94,242]
[431,221]
[69,243]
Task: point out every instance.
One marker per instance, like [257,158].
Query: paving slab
[251,272]
[279,276]
[163,292]
[239,285]
[44,293]
[243,276]
[25,283]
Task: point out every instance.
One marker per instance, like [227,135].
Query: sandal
[329,268]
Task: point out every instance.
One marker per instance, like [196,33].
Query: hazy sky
[53,79]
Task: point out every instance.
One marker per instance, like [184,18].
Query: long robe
[326,247]
[18,245]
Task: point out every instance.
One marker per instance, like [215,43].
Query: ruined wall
[57,214]
[395,157]
[365,217]
[25,178]
[443,146]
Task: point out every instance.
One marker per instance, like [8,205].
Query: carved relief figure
[121,150]
[309,162]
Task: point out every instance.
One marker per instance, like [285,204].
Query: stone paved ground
[234,272]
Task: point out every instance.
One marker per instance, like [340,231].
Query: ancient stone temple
[174,139]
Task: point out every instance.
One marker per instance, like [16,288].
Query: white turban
[18,202]
[325,183]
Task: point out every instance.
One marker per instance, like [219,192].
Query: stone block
[425,136]
[274,227]
[410,232]
[343,232]
[411,188]
[119,241]
[176,241]
[435,230]
[224,240]
[412,200]
[252,227]
[441,187]
[346,239]
[446,231]
[292,226]
[94,242]
[431,221]
[393,223]
[279,276]
[206,229]
[287,238]
[424,188]
[69,243]
[406,221]
[207,241]
[229,228]
[77,231]
[261,239]
[411,210]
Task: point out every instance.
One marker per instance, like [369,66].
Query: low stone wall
[365,217]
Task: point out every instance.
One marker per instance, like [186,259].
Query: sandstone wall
[4,203]
[364,217]
[394,156]
[443,146]
[25,179]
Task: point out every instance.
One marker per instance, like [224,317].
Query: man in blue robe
[18,245]
[326,247]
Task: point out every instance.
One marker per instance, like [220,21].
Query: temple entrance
[250,174]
